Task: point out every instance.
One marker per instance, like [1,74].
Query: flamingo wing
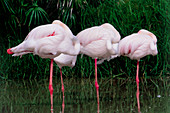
[47,30]
[137,46]
[94,41]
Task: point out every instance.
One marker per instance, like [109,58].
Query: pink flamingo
[64,60]
[135,47]
[99,42]
[48,41]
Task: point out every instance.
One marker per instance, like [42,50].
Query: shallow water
[116,96]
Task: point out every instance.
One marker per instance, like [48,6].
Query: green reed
[127,16]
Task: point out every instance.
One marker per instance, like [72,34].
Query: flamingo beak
[9,51]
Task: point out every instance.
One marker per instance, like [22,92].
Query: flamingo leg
[50,85]
[137,82]
[96,84]
[62,88]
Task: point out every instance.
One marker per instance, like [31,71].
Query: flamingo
[99,42]
[48,41]
[64,60]
[135,47]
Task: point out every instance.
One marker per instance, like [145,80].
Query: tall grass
[127,16]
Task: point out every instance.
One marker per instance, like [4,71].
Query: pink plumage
[48,41]
[138,45]
[99,41]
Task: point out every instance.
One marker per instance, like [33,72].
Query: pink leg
[63,105]
[96,84]
[50,85]
[137,82]
[137,74]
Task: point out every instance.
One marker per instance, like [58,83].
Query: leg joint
[51,89]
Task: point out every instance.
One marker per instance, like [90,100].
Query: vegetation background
[18,17]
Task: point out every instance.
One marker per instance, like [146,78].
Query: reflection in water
[98,109]
[137,96]
[116,96]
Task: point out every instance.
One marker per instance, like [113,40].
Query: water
[116,96]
